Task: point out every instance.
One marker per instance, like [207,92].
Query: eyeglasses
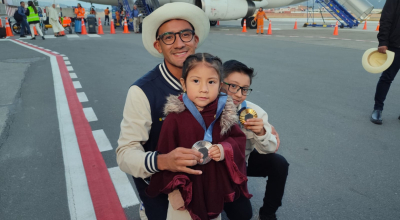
[235,88]
[169,37]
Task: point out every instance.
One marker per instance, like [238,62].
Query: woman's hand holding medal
[255,125]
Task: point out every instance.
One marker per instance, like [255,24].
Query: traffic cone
[295,25]
[269,28]
[217,23]
[83,27]
[126,31]
[1,25]
[336,31]
[365,25]
[244,26]
[377,27]
[34,31]
[8,29]
[112,30]
[100,27]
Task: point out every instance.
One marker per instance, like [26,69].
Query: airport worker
[53,20]
[261,145]
[260,20]
[135,19]
[80,12]
[389,39]
[33,19]
[23,21]
[117,16]
[92,11]
[107,16]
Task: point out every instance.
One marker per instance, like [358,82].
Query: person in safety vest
[107,17]
[80,12]
[33,19]
[260,20]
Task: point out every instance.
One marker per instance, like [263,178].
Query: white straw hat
[176,10]
[375,62]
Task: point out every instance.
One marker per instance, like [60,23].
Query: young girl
[261,145]
[204,114]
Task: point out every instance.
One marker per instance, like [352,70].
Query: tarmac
[311,83]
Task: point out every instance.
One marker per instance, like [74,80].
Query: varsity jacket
[142,120]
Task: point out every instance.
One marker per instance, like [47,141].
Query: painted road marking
[65,58]
[102,141]
[77,85]
[346,39]
[360,40]
[82,97]
[89,113]
[49,36]
[93,35]
[126,194]
[55,52]
[67,62]
[62,55]
[73,75]
[72,36]
[69,68]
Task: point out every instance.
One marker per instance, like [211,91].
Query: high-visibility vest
[32,16]
[80,12]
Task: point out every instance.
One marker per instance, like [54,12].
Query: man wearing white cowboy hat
[172,32]
[389,39]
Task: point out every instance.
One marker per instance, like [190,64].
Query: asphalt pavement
[312,84]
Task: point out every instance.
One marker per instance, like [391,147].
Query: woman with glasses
[261,144]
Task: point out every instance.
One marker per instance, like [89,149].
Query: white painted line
[48,50]
[89,113]
[224,29]
[293,36]
[39,47]
[77,85]
[360,40]
[65,58]
[309,36]
[334,38]
[346,39]
[72,36]
[126,194]
[55,52]
[279,35]
[49,36]
[102,141]
[228,34]
[322,37]
[253,35]
[240,34]
[82,97]
[73,75]
[67,62]
[62,55]
[79,200]
[69,68]
[93,35]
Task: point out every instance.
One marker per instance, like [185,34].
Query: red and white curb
[93,191]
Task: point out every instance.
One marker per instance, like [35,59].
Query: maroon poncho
[204,195]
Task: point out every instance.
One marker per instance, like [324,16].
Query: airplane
[222,10]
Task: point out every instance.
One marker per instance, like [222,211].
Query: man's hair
[21,2]
[171,20]
[232,66]
[107,7]
[193,60]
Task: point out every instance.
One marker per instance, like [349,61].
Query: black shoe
[399,117]
[33,38]
[267,217]
[376,117]
[43,38]
[22,36]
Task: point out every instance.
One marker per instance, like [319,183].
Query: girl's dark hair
[30,3]
[232,66]
[193,60]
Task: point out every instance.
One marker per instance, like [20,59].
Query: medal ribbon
[192,108]
[244,106]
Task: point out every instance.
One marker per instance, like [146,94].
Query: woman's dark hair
[232,66]
[193,60]
[30,3]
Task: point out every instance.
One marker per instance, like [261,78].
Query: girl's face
[202,85]
[235,80]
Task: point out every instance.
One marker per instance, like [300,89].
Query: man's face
[134,7]
[54,6]
[260,9]
[23,4]
[176,53]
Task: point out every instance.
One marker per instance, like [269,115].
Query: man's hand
[277,137]
[214,153]
[255,125]
[382,49]
[179,160]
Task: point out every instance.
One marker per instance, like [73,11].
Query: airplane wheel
[213,23]
[250,23]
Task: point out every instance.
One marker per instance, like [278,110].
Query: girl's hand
[255,125]
[214,153]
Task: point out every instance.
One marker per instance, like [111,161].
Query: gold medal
[247,114]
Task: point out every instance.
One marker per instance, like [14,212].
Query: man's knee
[281,165]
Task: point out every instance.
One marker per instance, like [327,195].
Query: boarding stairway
[145,7]
[343,11]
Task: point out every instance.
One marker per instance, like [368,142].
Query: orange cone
[1,25]
[217,23]
[126,31]
[365,25]
[83,28]
[377,27]
[8,29]
[295,25]
[34,31]
[62,33]
[269,28]
[244,26]
[112,31]
[100,27]
[336,31]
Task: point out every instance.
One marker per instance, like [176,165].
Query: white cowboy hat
[176,10]
[375,62]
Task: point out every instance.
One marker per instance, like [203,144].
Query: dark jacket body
[389,31]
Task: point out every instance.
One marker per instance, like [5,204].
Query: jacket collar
[169,77]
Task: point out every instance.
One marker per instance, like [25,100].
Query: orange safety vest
[261,15]
[80,12]
[106,12]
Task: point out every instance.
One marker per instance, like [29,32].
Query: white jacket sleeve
[263,144]
[135,128]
